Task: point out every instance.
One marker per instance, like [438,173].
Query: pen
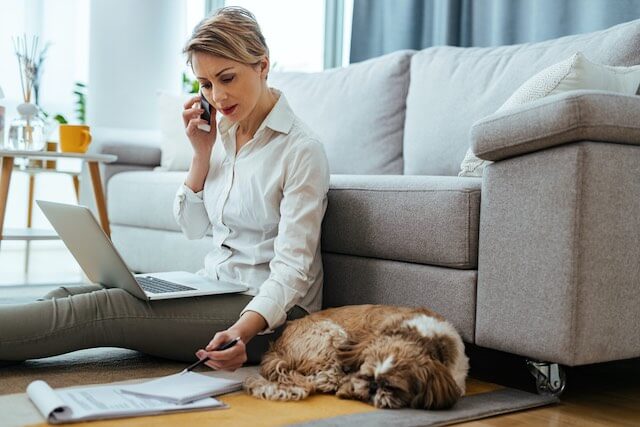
[224,346]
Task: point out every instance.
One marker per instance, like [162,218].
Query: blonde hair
[231,32]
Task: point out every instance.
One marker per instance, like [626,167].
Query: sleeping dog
[391,357]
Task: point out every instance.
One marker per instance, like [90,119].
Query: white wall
[135,50]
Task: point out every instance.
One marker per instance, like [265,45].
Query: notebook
[183,387]
[102,402]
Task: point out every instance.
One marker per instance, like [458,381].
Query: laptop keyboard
[159,286]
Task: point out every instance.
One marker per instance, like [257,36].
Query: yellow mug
[74,138]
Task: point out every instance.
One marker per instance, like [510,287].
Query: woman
[259,181]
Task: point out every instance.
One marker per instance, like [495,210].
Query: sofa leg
[550,377]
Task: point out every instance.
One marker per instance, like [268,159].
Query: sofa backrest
[356,111]
[452,87]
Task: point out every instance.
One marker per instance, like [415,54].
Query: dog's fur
[391,357]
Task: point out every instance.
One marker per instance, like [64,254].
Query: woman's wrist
[197,172]
[248,326]
[201,158]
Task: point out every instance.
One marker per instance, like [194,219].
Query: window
[293,29]
[308,35]
[196,11]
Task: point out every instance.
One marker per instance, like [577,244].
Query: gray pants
[75,318]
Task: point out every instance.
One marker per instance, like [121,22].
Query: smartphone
[206,115]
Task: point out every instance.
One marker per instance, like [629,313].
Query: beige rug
[92,366]
[105,365]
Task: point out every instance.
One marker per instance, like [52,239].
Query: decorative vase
[27,132]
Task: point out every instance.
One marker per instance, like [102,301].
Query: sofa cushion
[176,148]
[144,199]
[452,87]
[357,111]
[421,219]
[139,249]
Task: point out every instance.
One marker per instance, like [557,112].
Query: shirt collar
[280,118]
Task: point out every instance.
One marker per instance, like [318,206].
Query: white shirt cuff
[269,309]
[190,194]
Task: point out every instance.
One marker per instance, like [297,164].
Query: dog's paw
[296,393]
[345,391]
[328,380]
[251,383]
[275,392]
[353,387]
[263,389]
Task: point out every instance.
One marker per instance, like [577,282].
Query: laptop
[101,262]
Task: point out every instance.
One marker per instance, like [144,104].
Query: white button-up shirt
[265,207]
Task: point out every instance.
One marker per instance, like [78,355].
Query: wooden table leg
[94,169]
[32,184]
[32,187]
[5,179]
[76,186]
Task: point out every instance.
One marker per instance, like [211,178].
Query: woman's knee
[64,291]
[61,292]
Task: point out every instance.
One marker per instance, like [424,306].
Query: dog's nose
[373,388]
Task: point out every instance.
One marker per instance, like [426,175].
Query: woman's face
[233,88]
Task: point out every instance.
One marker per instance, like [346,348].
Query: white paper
[47,401]
[183,387]
[100,402]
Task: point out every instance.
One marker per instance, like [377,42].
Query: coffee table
[8,160]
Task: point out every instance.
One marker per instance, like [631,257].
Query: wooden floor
[606,394]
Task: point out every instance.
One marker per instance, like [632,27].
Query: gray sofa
[539,257]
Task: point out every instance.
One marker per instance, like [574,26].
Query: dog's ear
[434,387]
[392,325]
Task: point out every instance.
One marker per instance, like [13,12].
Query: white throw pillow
[574,73]
[175,146]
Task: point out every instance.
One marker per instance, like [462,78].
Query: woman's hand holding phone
[201,140]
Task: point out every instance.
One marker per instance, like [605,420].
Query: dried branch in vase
[26,52]
[27,131]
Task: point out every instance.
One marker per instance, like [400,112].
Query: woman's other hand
[201,141]
[227,360]
[247,327]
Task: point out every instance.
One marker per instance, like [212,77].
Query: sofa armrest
[555,120]
[133,154]
[131,157]
[558,248]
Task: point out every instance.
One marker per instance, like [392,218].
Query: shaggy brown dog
[391,357]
